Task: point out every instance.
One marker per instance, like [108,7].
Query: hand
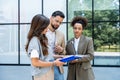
[58,49]
[74,61]
[58,63]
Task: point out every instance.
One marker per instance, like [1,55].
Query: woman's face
[77,29]
[45,30]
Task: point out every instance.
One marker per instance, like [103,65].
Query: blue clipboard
[69,58]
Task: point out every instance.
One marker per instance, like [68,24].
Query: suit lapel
[80,45]
[70,47]
[73,48]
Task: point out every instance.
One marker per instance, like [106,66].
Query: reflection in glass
[23,40]
[29,8]
[106,37]
[63,28]
[70,32]
[8,44]
[107,43]
[79,8]
[8,11]
[50,7]
[106,13]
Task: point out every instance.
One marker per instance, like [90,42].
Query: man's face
[56,21]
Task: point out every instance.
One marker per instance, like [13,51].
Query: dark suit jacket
[81,70]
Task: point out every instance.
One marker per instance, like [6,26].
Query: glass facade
[103,26]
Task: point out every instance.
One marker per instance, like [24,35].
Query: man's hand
[58,49]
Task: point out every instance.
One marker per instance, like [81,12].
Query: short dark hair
[81,20]
[58,13]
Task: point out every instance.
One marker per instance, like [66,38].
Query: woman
[80,69]
[38,51]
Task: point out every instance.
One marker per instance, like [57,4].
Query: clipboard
[70,58]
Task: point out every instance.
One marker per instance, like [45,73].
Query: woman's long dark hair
[38,24]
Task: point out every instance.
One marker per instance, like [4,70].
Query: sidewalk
[23,73]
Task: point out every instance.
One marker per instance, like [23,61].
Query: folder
[70,58]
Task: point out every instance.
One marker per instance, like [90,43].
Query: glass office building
[104,27]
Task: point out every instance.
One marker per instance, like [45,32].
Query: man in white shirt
[56,41]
